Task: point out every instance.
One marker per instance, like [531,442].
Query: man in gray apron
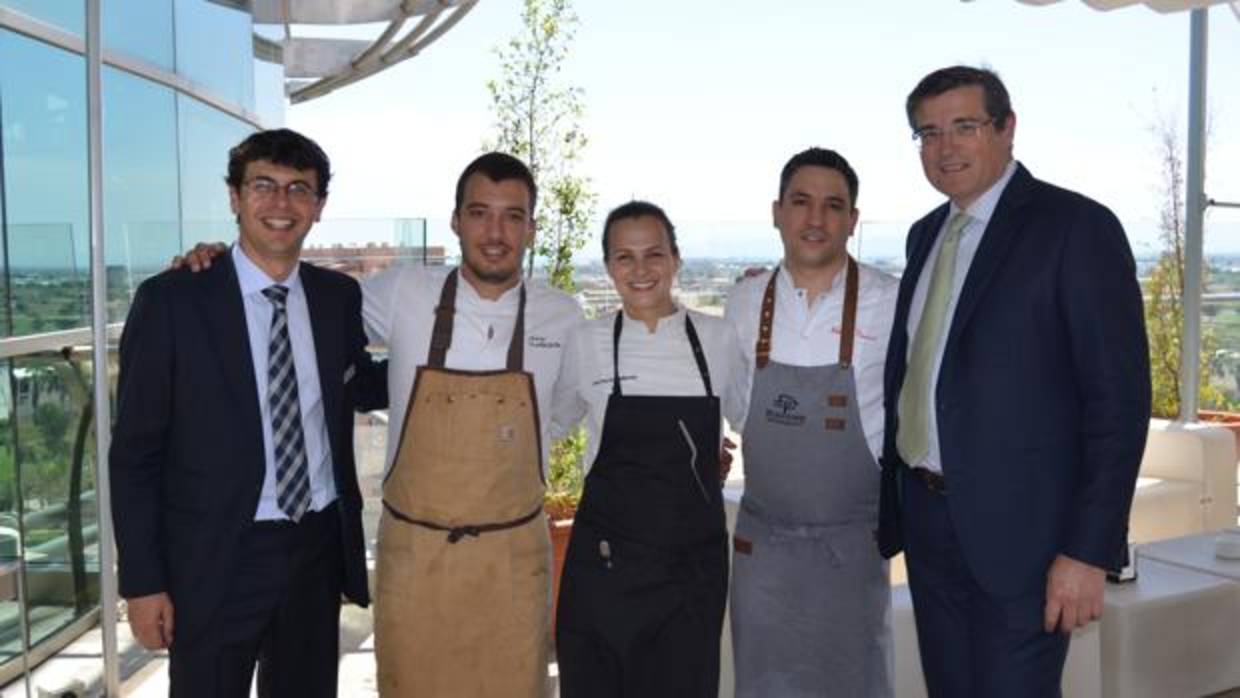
[810,592]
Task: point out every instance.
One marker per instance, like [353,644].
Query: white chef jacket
[805,335]
[399,310]
[651,363]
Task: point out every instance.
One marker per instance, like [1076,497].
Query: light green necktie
[913,437]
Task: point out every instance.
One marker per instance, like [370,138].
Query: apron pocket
[483,425]
[530,569]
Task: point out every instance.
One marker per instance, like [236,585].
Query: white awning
[1156,5]
[315,66]
[341,11]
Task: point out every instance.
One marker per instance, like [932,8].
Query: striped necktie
[292,474]
[913,436]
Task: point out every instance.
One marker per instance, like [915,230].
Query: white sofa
[1188,482]
[1187,485]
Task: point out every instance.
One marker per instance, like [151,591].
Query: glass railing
[49,535]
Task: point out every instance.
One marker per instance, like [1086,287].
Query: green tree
[1164,289]
[52,420]
[538,119]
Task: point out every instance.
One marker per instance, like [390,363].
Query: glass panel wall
[165,158]
[205,138]
[10,531]
[269,98]
[43,110]
[51,426]
[215,49]
[140,186]
[269,93]
[69,15]
[139,28]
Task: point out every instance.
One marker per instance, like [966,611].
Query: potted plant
[565,480]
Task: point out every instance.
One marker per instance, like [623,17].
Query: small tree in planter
[565,477]
[538,120]
[1164,290]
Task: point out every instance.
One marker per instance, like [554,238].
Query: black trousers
[646,626]
[282,612]
[973,644]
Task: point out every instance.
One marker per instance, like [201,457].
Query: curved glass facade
[178,89]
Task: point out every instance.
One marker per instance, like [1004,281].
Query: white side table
[1172,632]
[1081,672]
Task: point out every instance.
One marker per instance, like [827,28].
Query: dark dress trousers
[187,466]
[1043,405]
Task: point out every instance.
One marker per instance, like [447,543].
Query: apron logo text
[782,411]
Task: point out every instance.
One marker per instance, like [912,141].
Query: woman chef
[645,578]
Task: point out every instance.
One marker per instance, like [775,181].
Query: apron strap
[849,324]
[615,353]
[441,333]
[445,313]
[516,347]
[762,351]
[699,357]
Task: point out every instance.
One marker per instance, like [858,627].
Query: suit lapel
[1003,230]
[326,325]
[224,311]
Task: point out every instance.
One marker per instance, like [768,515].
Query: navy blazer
[1043,396]
[187,460]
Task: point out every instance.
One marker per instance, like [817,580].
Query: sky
[696,105]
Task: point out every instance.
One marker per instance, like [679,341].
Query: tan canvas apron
[462,603]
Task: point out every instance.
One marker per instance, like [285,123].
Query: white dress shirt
[651,363]
[809,335]
[399,309]
[258,312]
[970,238]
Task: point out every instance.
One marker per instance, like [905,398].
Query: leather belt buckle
[933,481]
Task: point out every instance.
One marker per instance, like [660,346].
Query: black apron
[645,578]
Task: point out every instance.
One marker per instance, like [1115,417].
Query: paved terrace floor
[79,667]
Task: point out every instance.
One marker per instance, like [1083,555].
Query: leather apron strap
[445,313]
[848,324]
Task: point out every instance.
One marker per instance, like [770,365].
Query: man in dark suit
[1017,397]
[237,510]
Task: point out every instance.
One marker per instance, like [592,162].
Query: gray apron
[811,598]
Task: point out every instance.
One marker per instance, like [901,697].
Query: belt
[282,524]
[456,533]
[933,481]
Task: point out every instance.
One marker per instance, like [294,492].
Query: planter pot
[561,529]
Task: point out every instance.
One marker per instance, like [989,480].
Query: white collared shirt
[258,312]
[651,363]
[399,309]
[805,335]
[970,238]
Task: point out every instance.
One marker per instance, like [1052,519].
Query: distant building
[372,257]
[599,300]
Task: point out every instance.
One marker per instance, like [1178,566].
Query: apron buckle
[456,534]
